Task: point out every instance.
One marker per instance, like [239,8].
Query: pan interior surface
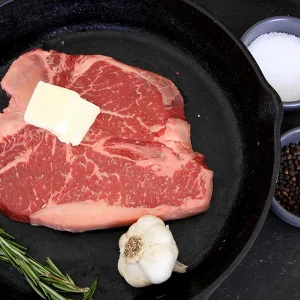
[225,104]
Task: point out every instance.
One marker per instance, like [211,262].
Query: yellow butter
[61,111]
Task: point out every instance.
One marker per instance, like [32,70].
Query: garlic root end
[180,267]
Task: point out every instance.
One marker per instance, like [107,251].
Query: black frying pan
[235,118]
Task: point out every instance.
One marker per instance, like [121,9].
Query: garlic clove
[133,273]
[121,265]
[132,230]
[158,234]
[158,262]
[122,241]
[146,222]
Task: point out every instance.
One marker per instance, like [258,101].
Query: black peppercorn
[287,191]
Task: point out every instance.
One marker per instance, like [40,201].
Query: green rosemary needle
[47,281]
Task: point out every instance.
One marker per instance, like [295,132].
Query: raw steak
[136,159]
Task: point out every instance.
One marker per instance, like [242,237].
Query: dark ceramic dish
[234,114]
[291,136]
[285,24]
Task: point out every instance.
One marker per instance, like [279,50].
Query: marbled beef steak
[136,159]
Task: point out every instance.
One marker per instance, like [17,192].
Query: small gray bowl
[283,24]
[287,138]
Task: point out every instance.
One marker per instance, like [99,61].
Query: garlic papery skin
[148,253]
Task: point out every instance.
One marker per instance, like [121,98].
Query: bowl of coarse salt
[275,45]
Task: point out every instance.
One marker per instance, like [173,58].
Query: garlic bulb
[148,253]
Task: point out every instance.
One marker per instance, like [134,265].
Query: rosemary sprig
[47,281]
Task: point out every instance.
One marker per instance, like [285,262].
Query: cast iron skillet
[235,118]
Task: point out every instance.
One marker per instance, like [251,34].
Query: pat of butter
[61,111]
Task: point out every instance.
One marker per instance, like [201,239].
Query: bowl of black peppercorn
[286,201]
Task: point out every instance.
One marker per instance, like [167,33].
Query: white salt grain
[278,56]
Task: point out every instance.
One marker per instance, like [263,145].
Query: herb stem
[47,280]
